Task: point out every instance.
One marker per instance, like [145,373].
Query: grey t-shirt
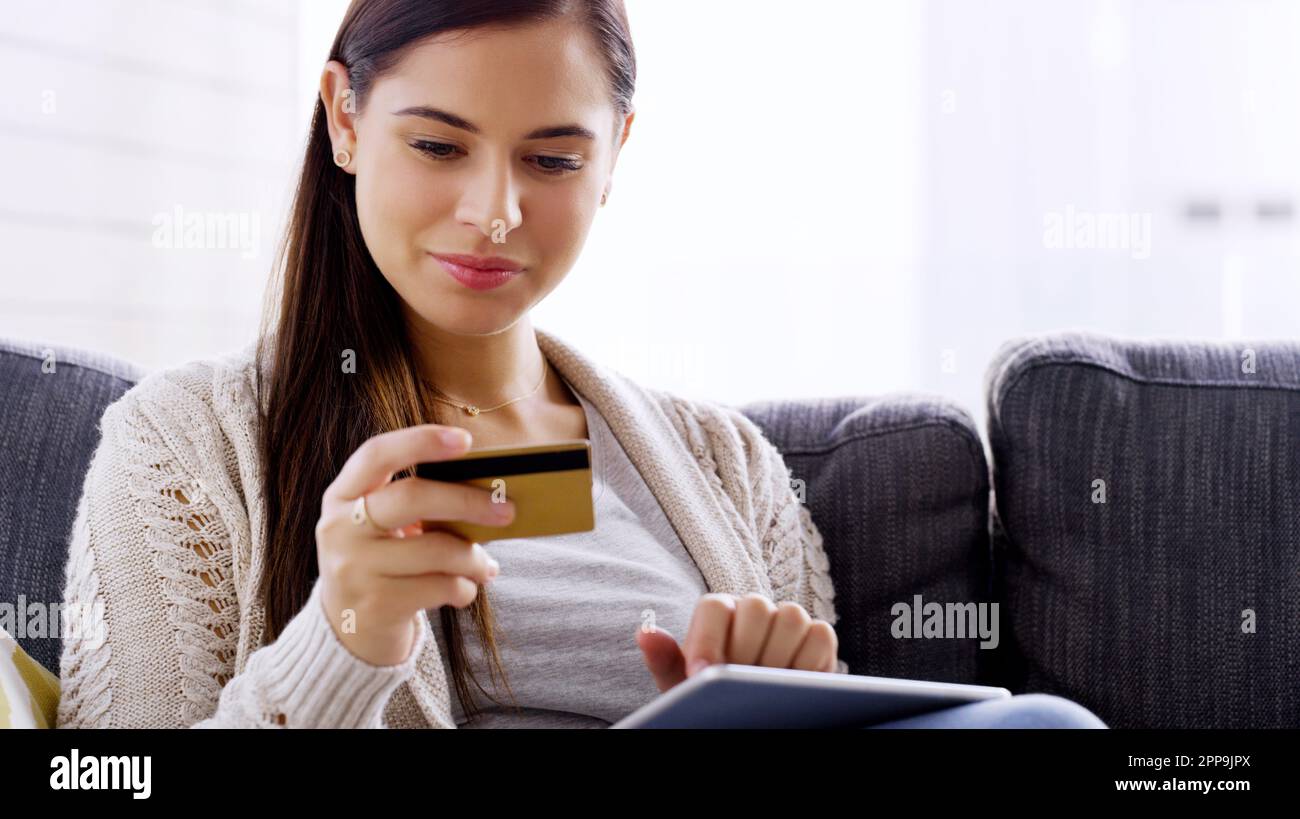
[567,607]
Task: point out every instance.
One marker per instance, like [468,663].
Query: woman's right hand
[375,583]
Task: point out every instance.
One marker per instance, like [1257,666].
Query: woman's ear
[627,127]
[340,106]
[613,158]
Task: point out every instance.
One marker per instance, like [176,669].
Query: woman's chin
[477,319]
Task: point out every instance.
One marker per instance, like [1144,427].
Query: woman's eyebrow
[448,118]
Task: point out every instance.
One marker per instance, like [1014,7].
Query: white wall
[115,114]
[833,198]
[760,239]
[1148,109]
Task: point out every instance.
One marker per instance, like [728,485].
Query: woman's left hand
[749,630]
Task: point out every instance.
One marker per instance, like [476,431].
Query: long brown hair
[334,305]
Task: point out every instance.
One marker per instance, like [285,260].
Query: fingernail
[696,667]
[504,512]
[494,569]
[455,437]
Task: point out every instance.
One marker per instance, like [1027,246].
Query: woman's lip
[473,277]
[481,262]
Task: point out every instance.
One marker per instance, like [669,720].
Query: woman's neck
[484,370]
[489,370]
[553,414]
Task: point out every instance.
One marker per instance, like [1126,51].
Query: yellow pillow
[29,694]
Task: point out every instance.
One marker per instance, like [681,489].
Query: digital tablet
[728,695]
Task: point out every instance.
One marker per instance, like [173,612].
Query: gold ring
[361,516]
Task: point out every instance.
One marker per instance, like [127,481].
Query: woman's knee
[1049,711]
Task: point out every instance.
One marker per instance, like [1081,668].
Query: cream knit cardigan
[167,541]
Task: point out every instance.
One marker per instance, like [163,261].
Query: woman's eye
[434,149]
[561,164]
[553,165]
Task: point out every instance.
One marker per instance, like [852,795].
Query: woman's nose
[490,202]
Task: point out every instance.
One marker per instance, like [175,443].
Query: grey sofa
[1173,599]
[1126,606]
[51,399]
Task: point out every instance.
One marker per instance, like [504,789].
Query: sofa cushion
[1147,526]
[29,693]
[51,400]
[898,487]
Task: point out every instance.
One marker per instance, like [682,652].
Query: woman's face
[450,158]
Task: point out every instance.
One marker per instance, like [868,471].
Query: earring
[342,158]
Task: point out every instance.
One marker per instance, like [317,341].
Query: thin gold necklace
[474,409]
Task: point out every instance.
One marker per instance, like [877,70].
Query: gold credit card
[550,485]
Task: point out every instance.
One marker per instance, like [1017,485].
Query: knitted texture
[753,483]
[167,547]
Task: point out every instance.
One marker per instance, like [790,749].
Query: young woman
[250,525]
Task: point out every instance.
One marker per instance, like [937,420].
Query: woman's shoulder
[730,448]
[719,428]
[195,405]
[703,424]
[217,381]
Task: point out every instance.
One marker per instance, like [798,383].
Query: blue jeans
[1019,711]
